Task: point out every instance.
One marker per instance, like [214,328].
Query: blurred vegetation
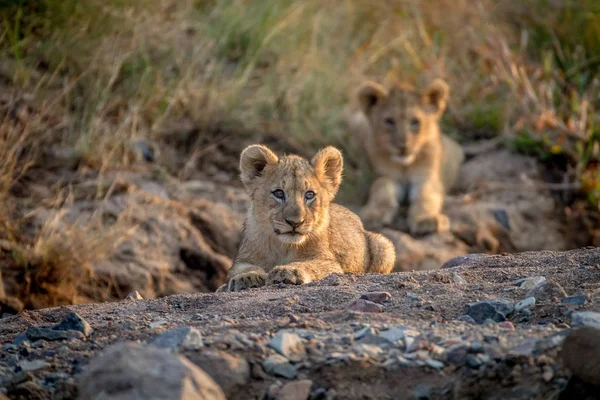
[114,71]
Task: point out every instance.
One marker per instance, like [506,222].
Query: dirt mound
[422,342]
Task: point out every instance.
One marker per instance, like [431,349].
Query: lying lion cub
[293,232]
[412,160]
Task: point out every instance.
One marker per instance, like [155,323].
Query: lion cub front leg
[246,276]
[301,272]
[382,205]
[425,212]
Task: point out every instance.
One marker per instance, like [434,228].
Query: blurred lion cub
[412,160]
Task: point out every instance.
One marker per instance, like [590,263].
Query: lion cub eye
[310,195]
[390,123]
[278,194]
[415,124]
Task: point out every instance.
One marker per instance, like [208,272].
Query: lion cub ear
[436,96]
[328,164]
[253,161]
[369,95]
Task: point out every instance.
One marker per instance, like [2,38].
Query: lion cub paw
[247,280]
[429,224]
[287,275]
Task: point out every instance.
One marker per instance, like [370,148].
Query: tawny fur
[297,239]
[411,159]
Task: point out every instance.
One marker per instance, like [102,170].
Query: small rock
[230,372]
[581,352]
[495,309]
[473,361]
[296,390]
[458,279]
[289,345]
[74,322]
[28,366]
[364,332]
[434,363]
[377,297]
[365,306]
[476,347]
[186,338]
[156,324]
[35,333]
[422,392]
[467,260]
[132,371]
[393,335]
[506,325]
[524,350]
[585,318]
[529,302]
[457,354]
[577,300]
[530,283]
[134,296]
[468,319]
[547,291]
[412,296]
[278,365]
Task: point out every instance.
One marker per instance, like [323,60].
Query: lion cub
[293,232]
[412,160]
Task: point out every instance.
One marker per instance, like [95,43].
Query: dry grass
[104,74]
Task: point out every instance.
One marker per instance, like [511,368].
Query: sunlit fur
[412,160]
[297,240]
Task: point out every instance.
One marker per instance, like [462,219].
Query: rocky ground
[480,327]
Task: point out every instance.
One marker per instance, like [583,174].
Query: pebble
[466,260]
[473,361]
[506,325]
[577,300]
[456,354]
[494,309]
[458,279]
[28,366]
[434,363]
[467,318]
[288,345]
[529,302]
[186,338]
[295,390]
[412,296]
[547,291]
[393,335]
[35,333]
[74,322]
[377,297]
[585,318]
[530,283]
[134,296]
[364,332]
[156,324]
[365,306]
[278,365]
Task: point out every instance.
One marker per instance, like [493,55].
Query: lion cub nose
[294,224]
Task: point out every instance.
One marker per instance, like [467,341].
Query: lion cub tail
[383,254]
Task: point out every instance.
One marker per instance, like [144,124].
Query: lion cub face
[290,195]
[403,120]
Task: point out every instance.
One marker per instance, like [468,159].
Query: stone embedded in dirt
[28,366]
[35,333]
[156,324]
[75,322]
[186,338]
[434,363]
[529,302]
[530,283]
[547,291]
[134,296]
[394,335]
[467,319]
[585,318]
[494,309]
[466,260]
[295,390]
[506,325]
[456,354]
[364,332]
[289,345]
[581,352]
[132,371]
[278,365]
[577,300]
[377,297]
[229,371]
[473,361]
[365,306]
[458,279]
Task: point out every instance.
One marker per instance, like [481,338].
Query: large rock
[133,372]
